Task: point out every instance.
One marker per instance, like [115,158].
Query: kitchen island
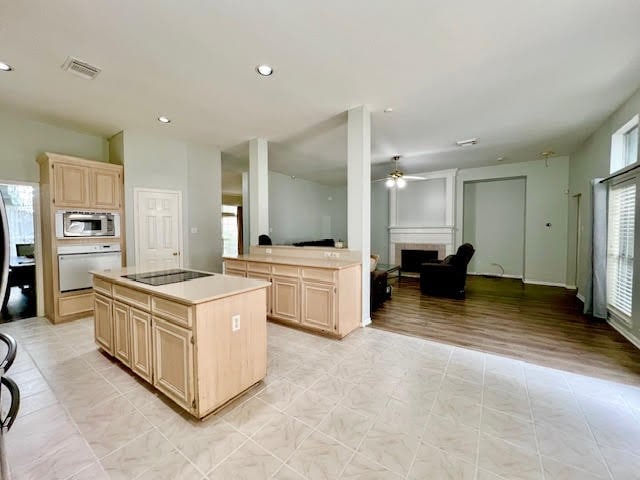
[201,341]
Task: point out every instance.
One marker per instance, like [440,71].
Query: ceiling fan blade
[411,177]
[381,179]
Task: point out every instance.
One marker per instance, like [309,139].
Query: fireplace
[412,259]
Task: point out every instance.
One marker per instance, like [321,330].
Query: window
[624,145]
[229,230]
[620,244]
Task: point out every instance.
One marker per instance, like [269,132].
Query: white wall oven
[73,224]
[76,261]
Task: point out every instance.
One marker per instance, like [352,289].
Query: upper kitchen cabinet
[71,185]
[105,188]
[83,184]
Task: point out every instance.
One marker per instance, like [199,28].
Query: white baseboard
[366,321]
[580,297]
[571,287]
[547,284]
[625,333]
[496,275]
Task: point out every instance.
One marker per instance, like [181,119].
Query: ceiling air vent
[80,68]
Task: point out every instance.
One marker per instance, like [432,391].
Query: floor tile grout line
[424,428]
[535,432]
[593,436]
[484,375]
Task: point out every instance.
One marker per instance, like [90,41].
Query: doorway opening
[20,299]
[232,230]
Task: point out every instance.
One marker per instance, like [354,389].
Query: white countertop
[332,263]
[198,290]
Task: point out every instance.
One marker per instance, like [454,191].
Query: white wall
[22,140]
[300,210]
[153,161]
[494,220]
[422,203]
[546,202]
[591,160]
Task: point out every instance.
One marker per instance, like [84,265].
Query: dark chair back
[465,253]
[264,240]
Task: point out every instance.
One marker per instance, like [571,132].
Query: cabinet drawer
[319,274]
[234,273]
[258,267]
[75,304]
[101,286]
[132,297]
[173,311]
[235,265]
[285,271]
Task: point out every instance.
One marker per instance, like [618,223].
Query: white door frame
[136,222]
[37,231]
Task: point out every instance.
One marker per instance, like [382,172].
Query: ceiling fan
[397,178]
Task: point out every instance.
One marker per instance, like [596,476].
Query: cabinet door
[173,362]
[71,185]
[267,278]
[122,333]
[141,344]
[105,188]
[103,324]
[286,303]
[318,301]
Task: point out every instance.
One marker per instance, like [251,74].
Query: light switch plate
[235,323]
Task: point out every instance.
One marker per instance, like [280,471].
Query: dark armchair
[447,277]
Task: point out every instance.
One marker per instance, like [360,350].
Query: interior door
[158,232]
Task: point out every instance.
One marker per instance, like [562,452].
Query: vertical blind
[620,244]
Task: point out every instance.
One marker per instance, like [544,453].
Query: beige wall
[22,140]
[591,160]
[154,161]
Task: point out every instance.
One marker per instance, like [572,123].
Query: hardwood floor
[541,325]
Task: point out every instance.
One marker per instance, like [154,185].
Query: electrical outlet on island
[235,323]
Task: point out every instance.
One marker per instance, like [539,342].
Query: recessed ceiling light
[5,67]
[264,70]
[388,110]
[164,119]
[500,159]
[467,143]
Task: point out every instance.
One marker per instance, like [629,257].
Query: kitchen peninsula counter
[201,342]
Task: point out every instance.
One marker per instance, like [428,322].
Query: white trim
[496,275]
[581,297]
[625,333]
[547,284]
[136,191]
[571,287]
[37,238]
[366,322]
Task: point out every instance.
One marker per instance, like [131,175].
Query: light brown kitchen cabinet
[141,344]
[105,189]
[285,298]
[103,322]
[235,273]
[306,294]
[122,333]
[267,278]
[173,362]
[71,185]
[76,184]
[318,306]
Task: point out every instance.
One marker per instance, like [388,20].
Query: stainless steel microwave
[71,224]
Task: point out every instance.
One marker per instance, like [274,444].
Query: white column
[246,235]
[258,189]
[359,195]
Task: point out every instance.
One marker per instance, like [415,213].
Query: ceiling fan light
[390,182]
[401,182]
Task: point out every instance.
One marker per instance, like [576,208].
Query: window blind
[620,244]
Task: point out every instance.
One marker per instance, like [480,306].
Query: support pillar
[359,195]
[258,189]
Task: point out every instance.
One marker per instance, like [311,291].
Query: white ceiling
[522,76]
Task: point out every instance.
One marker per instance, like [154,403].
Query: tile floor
[376,405]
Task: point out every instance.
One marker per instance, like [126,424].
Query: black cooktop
[164,277]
